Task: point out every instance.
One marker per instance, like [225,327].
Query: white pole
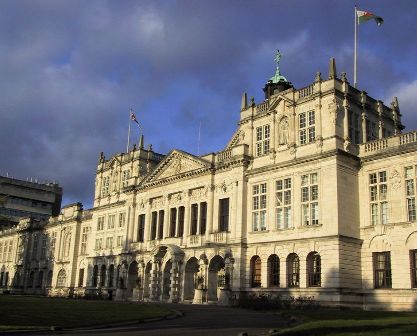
[355,81]
[198,143]
[128,132]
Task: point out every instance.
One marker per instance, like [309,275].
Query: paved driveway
[199,320]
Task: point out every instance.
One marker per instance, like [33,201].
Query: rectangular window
[194,218]
[262,140]
[141,228]
[100,224]
[122,219]
[111,219]
[161,224]
[307,127]
[119,241]
[99,243]
[35,247]
[81,277]
[105,186]
[181,215]
[43,247]
[410,193]
[84,237]
[154,221]
[203,217]
[413,268]
[382,269]
[9,254]
[173,222]
[125,178]
[283,203]
[259,197]
[310,199]
[109,242]
[52,244]
[224,215]
[378,198]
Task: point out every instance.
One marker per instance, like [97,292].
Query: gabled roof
[176,164]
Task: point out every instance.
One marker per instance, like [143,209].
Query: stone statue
[283,131]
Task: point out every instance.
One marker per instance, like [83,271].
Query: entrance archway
[146,280]
[132,277]
[216,277]
[166,281]
[191,268]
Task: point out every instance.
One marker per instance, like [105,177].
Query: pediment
[177,163]
[276,100]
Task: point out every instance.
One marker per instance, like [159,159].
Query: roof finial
[277,59]
[141,142]
[332,69]
[244,103]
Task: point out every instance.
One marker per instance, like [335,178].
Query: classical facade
[314,195]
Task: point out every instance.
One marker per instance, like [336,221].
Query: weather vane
[277,58]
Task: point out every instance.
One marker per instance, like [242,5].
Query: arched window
[273,271]
[103,276]
[61,279]
[49,279]
[95,276]
[314,269]
[111,275]
[293,270]
[255,271]
[40,279]
[31,279]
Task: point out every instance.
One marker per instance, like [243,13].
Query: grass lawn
[21,312]
[329,322]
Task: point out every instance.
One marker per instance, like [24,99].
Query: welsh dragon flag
[364,16]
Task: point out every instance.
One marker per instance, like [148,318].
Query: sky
[71,70]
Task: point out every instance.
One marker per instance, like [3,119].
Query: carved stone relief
[395,179]
[283,131]
[157,202]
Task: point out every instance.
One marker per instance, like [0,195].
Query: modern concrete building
[20,199]
[314,195]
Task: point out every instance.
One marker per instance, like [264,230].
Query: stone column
[174,292]
[234,212]
[198,218]
[364,135]
[166,218]
[187,215]
[177,221]
[154,281]
[209,228]
[346,120]
[147,228]
[273,136]
[130,224]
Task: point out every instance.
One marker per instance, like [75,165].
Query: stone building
[20,199]
[314,195]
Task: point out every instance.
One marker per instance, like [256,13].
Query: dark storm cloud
[70,70]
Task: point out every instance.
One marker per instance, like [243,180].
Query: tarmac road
[201,320]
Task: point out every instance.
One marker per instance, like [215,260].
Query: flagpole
[198,142]
[356,51]
[128,132]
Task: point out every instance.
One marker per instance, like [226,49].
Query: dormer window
[307,127]
[262,140]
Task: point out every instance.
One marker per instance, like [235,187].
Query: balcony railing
[263,107]
[307,91]
[394,141]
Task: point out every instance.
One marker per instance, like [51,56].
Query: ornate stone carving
[224,187]
[292,147]
[157,202]
[175,198]
[272,154]
[347,145]
[333,108]
[319,142]
[198,193]
[395,179]
[283,131]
